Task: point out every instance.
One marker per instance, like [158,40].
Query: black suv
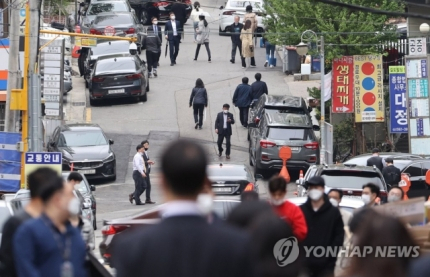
[146,9]
[348,178]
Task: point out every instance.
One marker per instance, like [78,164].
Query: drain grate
[78,103]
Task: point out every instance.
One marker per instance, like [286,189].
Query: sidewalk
[76,102]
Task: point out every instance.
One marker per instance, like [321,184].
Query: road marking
[88,115]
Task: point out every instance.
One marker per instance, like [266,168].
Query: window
[350,179]
[414,170]
[110,48]
[290,134]
[113,20]
[226,171]
[426,167]
[81,139]
[119,66]
[108,7]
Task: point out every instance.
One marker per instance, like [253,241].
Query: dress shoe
[228,157]
[172,64]
[197,125]
[138,204]
[232,61]
[130,197]
[220,154]
[155,73]
[149,202]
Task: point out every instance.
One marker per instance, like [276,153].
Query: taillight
[267,144]
[257,120]
[265,158]
[160,4]
[249,187]
[113,229]
[312,159]
[312,145]
[133,76]
[130,31]
[228,12]
[97,79]
[95,32]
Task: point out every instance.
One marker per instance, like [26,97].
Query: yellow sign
[397,69]
[85,42]
[368,88]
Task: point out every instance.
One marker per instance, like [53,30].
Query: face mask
[276,202]
[146,148]
[334,202]
[365,198]
[172,18]
[315,194]
[74,206]
[393,198]
[155,22]
[205,203]
[225,111]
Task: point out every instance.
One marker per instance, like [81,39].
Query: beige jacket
[246,38]
[253,18]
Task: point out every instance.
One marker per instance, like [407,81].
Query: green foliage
[344,131]
[346,32]
[316,93]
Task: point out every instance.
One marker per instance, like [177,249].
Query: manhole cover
[78,103]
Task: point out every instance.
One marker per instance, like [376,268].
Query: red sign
[109,31]
[343,85]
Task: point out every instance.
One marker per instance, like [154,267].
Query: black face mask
[146,149]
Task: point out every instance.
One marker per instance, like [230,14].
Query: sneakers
[252,65]
[197,125]
[265,64]
[243,67]
[271,66]
[209,60]
[155,73]
[232,61]
[150,75]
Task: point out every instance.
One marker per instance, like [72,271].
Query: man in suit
[183,244]
[152,43]
[375,160]
[139,176]
[148,164]
[180,11]
[172,31]
[223,123]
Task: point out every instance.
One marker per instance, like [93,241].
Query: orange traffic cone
[301,176]
[75,53]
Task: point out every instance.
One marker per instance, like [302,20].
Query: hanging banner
[368,88]
[398,108]
[343,85]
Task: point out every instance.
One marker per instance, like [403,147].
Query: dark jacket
[258,88]
[242,96]
[180,11]
[190,245]
[376,161]
[151,42]
[392,175]
[235,32]
[168,29]
[325,228]
[199,96]
[420,267]
[150,28]
[145,160]
[219,124]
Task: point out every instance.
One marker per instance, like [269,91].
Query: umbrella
[205,14]
[167,45]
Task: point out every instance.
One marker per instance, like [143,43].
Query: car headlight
[109,158]
[88,201]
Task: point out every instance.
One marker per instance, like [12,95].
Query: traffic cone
[75,53]
[301,176]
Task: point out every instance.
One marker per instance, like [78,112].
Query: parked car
[66,36]
[348,178]
[231,179]
[111,228]
[118,77]
[157,8]
[235,7]
[5,212]
[280,103]
[87,192]
[277,129]
[122,22]
[348,204]
[103,48]
[396,156]
[98,7]
[85,149]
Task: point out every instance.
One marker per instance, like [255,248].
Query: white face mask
[315,194]
[276,202]
[74,206]
[205,203]
[172,17]
[155,22]
[393,198]
[365,198]
[225,111]
[334,202]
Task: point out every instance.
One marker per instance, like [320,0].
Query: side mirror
[222,7]
[252,125]
[316,128]
[93,188]
[258,177]
[111,141]
[310,109]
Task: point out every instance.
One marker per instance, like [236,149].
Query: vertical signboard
[52,69]
[398,107]
[343,85]
[35,160]
[22,21]
[368,88]
[417,46]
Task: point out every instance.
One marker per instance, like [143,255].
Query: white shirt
[225,120]
[155,29]
[175,33]
[138,163]
[179,208]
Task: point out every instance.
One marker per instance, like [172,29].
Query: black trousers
[174,48]
[207,50]
[139,185]
[198,113]
[227,142]
[234,46]
[243,114]
[152,60]
[148,188]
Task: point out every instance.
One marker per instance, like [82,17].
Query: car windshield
[4,215]
[350,179]
[110,48]
[80,139]
[118,66]
[290,133]
[113,19]
[82,186]
[107,7]
[243,4]
[226,171]
[289,110]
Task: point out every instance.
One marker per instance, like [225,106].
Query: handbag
[251,48]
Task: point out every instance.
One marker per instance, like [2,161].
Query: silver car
[277,129]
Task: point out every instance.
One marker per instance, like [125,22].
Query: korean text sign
[368,88]
[398,107]
[343,85]
[35,160]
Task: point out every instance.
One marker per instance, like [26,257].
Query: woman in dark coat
[199,100]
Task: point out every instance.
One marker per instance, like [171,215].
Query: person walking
[242,99]
[199,100]
[223,123]
[325,228]
[50,245]
[236,43]
[251,16]
[194,16]
[172,31]
[37,183]
[247,44]
[203,37]
[392,174]
[190,245]
[270,52]
[258,88]
[180,11]
[148,164]
[139,176]
[375,160]
[152,44]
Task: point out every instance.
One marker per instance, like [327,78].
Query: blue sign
[398,107]
[420,127]
[424,68]
[43,158]
[10,162]
[418,88]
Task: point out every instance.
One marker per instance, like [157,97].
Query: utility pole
[323,158]
[12,116]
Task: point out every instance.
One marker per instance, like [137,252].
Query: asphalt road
[166,115]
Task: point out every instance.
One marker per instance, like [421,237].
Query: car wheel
[221,33]
[144,17]
[95,223]
[249,136]
[144,97]
[147,86]
[86,83]
[93,102]
[250,158]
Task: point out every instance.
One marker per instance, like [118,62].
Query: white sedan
[233,8]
